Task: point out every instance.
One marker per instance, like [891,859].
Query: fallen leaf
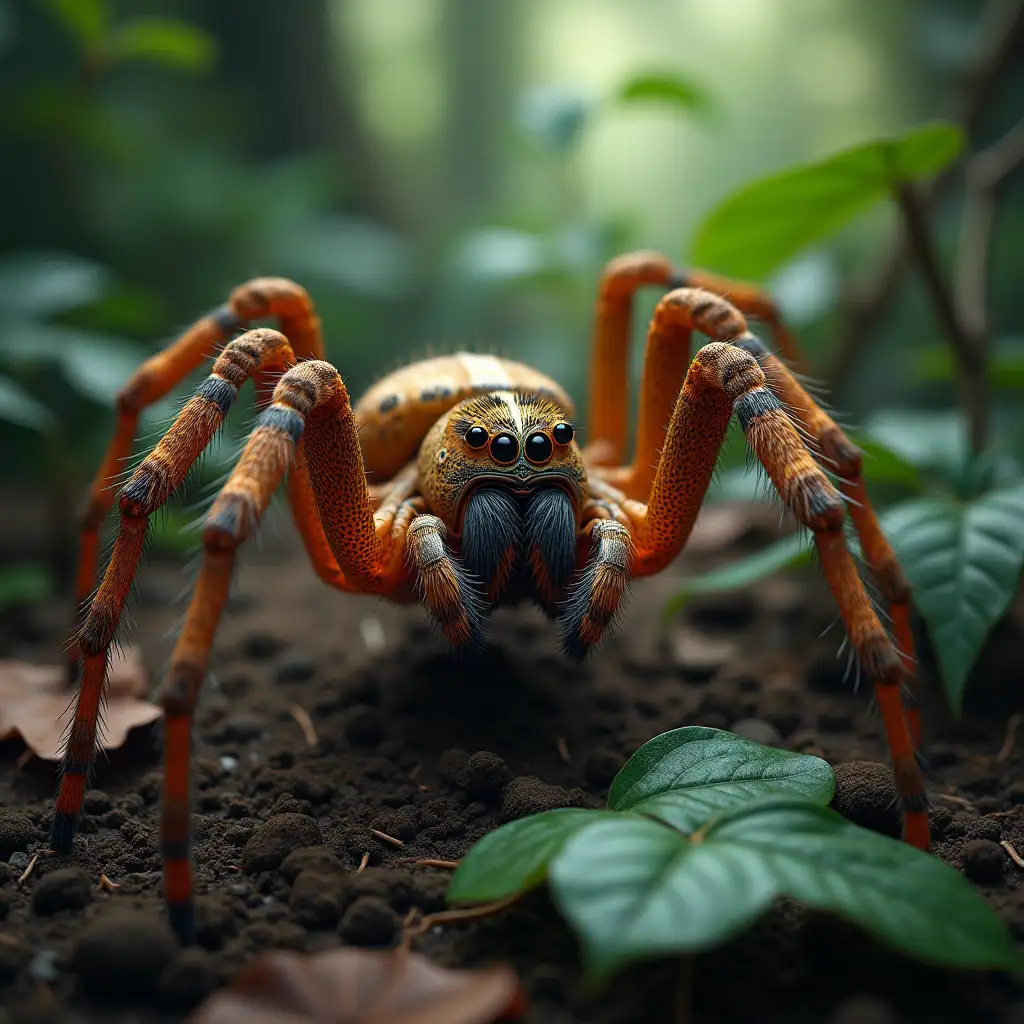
[34,703]
[357,986]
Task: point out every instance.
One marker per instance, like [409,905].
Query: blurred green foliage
[452,174]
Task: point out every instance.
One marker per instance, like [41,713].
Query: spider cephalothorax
[460,481]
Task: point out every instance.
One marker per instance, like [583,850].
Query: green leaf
[685,776]
[21,583]
[554,117]
[882,465]
[1004,367]
[787,553]
[86,20]
[665,87]
[757,229]
[634,889]
[165,41]
[964,561]
[514,858]
[47,284]
[19,407]
[930,439]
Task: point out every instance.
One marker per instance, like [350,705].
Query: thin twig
[1002,29]
[968,349]
[363,863]
[460,916]
[387,839]
[1011,736]
[301,715]
[954,799]
[1014,855]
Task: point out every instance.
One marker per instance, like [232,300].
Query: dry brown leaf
[34,702]
[358,986]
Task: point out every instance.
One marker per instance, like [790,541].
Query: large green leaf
[165,41]
[783,554]
[514,858]
[19,407]
[665,87]
[633,888]
[684,776]
[964,562]
[757,229]
[48,283]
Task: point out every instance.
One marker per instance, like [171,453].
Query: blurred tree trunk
[282,55]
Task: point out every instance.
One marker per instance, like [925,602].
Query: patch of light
[835,68]
[402,101]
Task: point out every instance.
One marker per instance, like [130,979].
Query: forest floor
[396,720]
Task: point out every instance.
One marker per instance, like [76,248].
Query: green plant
[703,831]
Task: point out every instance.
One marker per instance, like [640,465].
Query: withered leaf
[358,986]
[35,702]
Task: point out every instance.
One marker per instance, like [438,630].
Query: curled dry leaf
[34,702]
[357,986]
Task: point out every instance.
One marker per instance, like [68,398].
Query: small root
[1012,725]
[106,884]
[28,870]
[446,917]
[1014,855]
[301,715]
[563,749]
[363,863]
[387,839]
[429,862]
[954,799]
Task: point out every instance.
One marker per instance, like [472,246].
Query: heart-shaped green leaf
[633,889]
[685,776]
[514,858]
[964,561]
[755,230]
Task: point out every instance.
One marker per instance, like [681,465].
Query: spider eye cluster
[504,447]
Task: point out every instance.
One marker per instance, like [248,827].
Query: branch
[1001,33]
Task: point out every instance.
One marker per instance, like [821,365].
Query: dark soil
[436,752]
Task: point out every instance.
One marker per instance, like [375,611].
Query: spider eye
[563,433]
[539,447]
[504,449]
[476,437]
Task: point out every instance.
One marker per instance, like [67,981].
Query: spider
[460,482]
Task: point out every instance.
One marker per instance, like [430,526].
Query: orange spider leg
[722,379]
[263,297]
[160,473]
[311,414]
[843,457]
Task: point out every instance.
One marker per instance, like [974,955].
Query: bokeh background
[445,174]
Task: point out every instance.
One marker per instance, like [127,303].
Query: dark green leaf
[758,228]
[634,889]
[685,776]
[882,465]
[514,858]
[964,561]
[787,553]
[665,87]
[46,284]
[19,407]
[925,438]
[25,582]
[1005,365]
[86,20]
[166,41]
[554,117]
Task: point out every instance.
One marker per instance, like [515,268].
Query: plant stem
[682,1004]
[968,350]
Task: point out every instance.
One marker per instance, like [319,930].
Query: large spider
[460,481]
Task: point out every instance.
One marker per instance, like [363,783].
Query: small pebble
[228,763]
[757,731]
[43,966]
[18,860]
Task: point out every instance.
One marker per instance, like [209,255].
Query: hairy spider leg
[664,367]
[310,413]
[268,297]
[844,458]
[723,379]
[156,478]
